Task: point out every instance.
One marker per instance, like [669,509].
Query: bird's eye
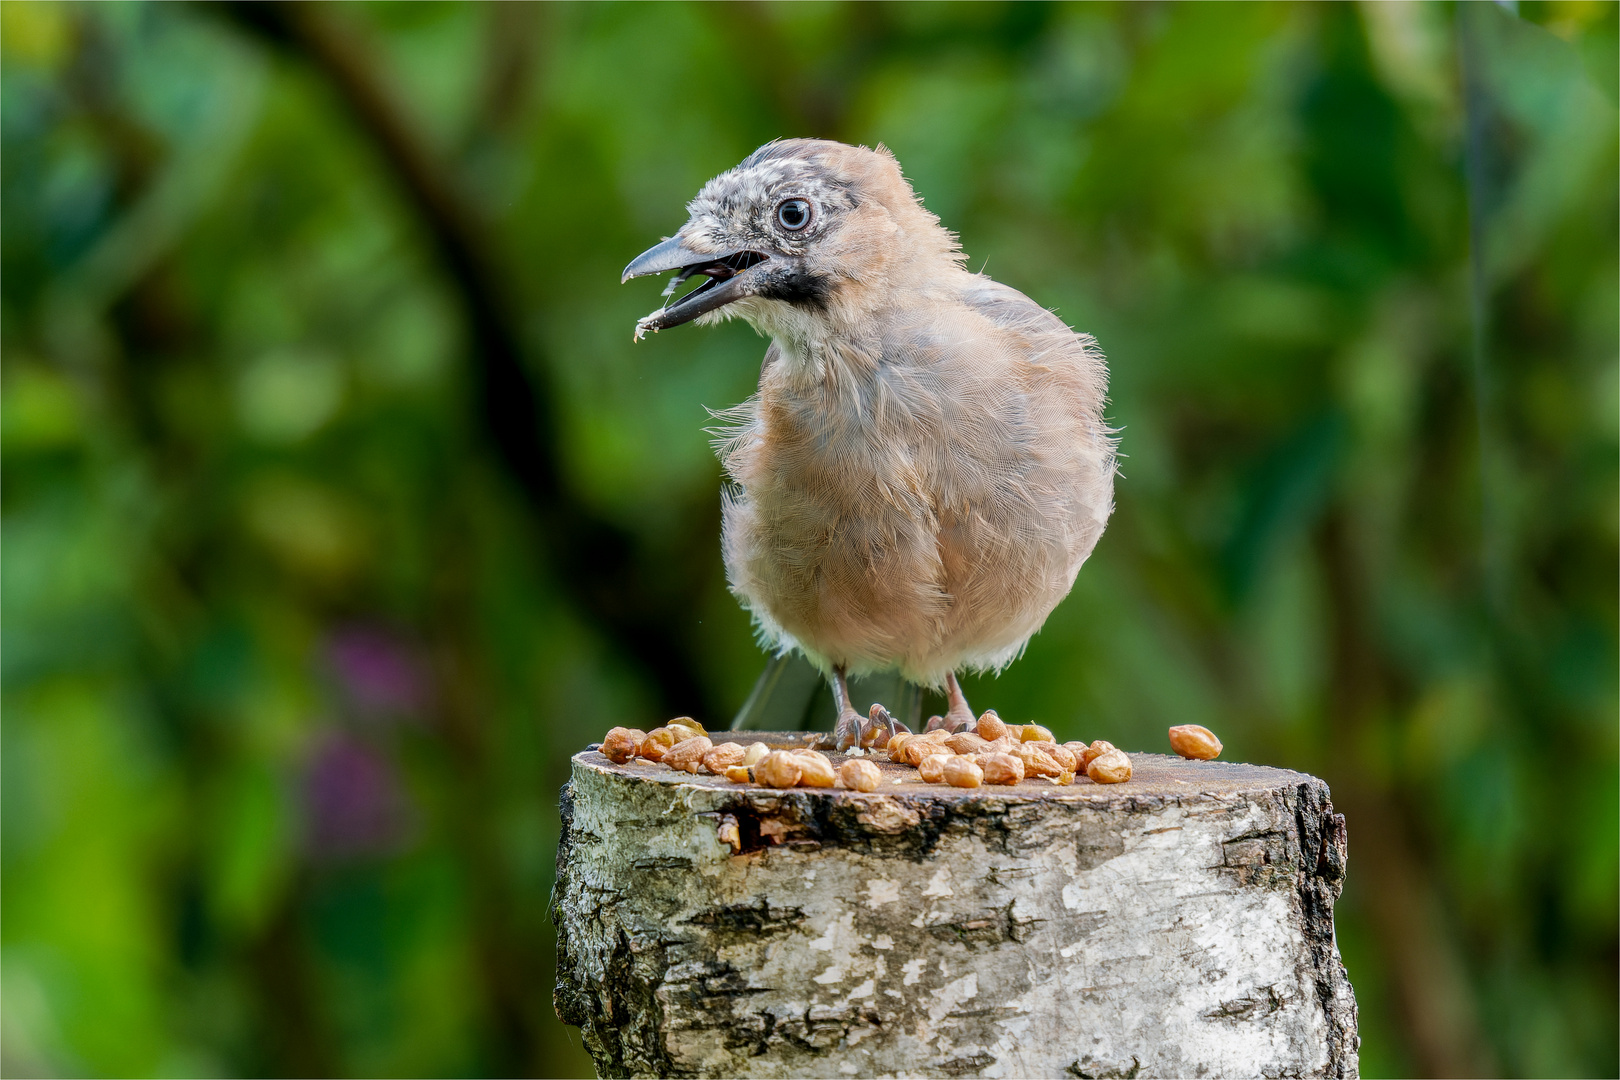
[794,214]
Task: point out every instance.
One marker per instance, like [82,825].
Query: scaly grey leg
[958,716]
[847,731]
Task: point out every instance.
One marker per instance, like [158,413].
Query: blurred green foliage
[302,622]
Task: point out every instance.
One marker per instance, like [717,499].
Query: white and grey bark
[1180,924]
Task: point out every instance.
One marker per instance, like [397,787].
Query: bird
[926,463]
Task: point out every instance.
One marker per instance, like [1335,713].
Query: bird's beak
[724,270]
[672,254]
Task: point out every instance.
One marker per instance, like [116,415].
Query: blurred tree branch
[594,558]
[1407,912]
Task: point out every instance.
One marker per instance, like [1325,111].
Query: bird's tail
[791,695]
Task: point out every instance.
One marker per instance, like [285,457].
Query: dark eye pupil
[794,214]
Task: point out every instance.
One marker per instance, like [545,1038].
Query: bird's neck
[841,339]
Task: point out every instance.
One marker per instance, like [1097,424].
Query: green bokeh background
[305,608]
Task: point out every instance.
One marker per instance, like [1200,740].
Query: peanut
[724,756]
[1190,741]
[728,833]
[858,774]
[916,749]
[1099,747]
[966,742]
[738,774]
[897,746]
[1036,733]
[1109,767]
[1078,749]
[990,726]
[1001,768]
[1063,756]
[621,744]
[962,772]
[687,755]
[815,770]
[689,724]
[932,767]
[779,769]
[1036,761]
[1003,745]
[1064,778]
[657,744]
[756,753]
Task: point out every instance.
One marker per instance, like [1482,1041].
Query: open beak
[723,271]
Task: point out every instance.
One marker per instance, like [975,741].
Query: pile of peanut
[999,753]
[993,753]
[683,744]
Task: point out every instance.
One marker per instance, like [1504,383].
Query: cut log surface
[1179,924]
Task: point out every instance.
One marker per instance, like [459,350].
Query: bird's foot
[953,721]
[847,732]
[958,717]
[880,727]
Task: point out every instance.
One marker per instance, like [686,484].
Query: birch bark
[1180,924]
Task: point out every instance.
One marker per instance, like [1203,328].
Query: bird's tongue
[713,276]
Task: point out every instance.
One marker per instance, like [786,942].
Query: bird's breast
[938,489]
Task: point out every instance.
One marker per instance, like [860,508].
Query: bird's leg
[847,731]
[958,717]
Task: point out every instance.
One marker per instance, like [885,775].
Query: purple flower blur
[354,802]
[376,673]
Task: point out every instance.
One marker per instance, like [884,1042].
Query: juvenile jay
[925,465]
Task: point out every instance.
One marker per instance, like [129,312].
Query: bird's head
[804,234]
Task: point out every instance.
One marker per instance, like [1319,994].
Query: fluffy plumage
[926,465]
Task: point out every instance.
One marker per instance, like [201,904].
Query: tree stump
[1179,924]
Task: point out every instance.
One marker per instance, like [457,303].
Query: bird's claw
[880,727]
[959,718]
[847,732]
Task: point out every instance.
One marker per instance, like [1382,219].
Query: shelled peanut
[1109,767]
[689,724]
[962,772]
[723,757]
[779,769]
[967,742]
[815,770]
[990,726]
[687,755]
[1195,742]
[1101,746]
[858,774]
[1001,768]
[932,767]
[1037,762]
[1064,757]
[622,744]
